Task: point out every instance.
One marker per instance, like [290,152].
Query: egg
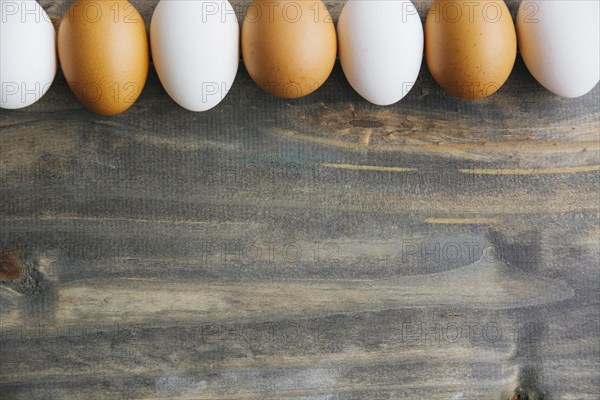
[104,54]
[560,44]
[380,48]
[288,47]
[27,53]
[195,49]
[470,46]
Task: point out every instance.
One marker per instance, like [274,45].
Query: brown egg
[470,46]
[289,47]
[104,55]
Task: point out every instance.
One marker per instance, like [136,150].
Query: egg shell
[288,47]
[104,54]
[27,53]
[195,49]
[470,46]
[560,44]
[380,48]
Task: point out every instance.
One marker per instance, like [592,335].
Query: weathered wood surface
[241,253]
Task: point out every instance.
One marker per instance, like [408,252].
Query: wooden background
[320,248]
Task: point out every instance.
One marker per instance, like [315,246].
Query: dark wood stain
[366,123]
[11,267]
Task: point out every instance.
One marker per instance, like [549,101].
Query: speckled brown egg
[470,47]
[289,47]
[104,54]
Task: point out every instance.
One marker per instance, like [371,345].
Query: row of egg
[289,48]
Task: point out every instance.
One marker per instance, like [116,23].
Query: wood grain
[320,248]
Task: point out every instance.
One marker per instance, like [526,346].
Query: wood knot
[519,396]
[12,268]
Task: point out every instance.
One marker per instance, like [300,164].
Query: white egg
[380,48]
[195,49]
[560,43]
[27,53]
